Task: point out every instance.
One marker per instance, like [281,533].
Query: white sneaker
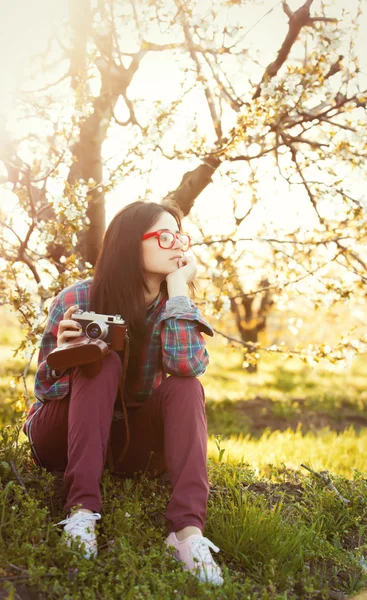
[80,527]
[195,555]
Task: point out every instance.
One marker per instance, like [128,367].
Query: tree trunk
[251,322]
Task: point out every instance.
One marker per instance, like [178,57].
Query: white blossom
[226,303]
[254,132]
[213,272]
[71,213]
[48,238]
[83,190]
[292,84]
[269,88]
[60,202]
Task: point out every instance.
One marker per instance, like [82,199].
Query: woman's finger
[68,328]
[68,334]
[71,310]
[69,324]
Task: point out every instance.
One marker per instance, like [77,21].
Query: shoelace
[200,550]
[78,521]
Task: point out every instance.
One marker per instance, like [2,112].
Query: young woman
[142,273]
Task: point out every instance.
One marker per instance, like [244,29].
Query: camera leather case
[84,352]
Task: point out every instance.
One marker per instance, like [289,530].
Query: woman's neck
[154,284]
[151,296]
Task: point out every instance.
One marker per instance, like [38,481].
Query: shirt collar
[155,302]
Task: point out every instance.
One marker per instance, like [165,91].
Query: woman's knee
[190,385]
[111,370]
[112,362]
[95,383]
[110,366]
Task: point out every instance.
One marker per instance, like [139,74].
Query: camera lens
[96,331]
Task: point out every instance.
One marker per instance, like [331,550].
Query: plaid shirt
[173,345]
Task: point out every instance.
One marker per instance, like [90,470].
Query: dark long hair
[118,283]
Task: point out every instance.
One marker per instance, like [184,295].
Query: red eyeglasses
[167,239]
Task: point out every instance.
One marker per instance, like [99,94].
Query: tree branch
[193,183]
[297,20]
[271,241]
[207,91]
[305,183]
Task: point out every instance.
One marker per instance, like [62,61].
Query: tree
[302,118]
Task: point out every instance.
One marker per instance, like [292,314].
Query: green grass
[282,533]
[282,379]
[340,453]
[287,413]
[289,538]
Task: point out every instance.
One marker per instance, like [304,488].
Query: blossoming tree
[255,122]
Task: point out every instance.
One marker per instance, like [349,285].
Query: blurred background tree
[251,117]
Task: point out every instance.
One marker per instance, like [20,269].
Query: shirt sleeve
[183,345]
[47,386]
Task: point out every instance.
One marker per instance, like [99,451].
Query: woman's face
[161,261]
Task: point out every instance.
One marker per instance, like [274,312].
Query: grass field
[282,533]
[287,413]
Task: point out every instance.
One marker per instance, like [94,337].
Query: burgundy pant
[169,432]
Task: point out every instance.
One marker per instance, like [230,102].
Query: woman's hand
[186,269]
[68,328]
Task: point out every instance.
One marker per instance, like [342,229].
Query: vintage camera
[110,329]
[102,333]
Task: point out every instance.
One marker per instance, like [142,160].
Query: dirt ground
[260,413]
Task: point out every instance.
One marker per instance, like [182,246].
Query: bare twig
[19,479]
[272,241]
[18,569]
[281,287]
[47,87]
[24,377]
[323,475]
[305,183]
